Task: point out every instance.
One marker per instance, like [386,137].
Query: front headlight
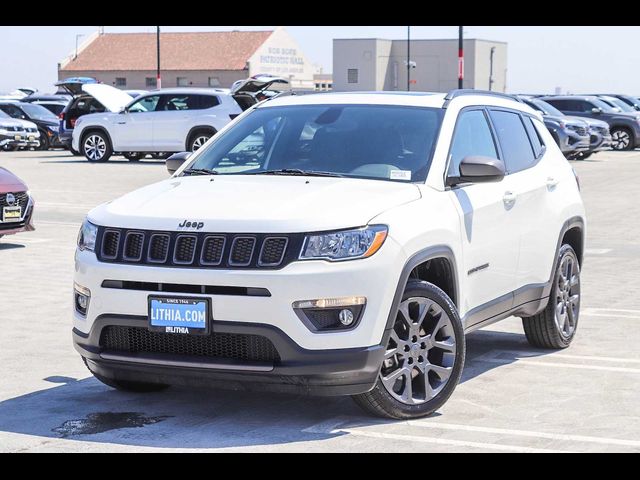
[345,244]
[87,237]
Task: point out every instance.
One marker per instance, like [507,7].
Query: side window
[13,111]
[562,105]
[472,136]
[534,136]
[513,138]
[202,102]
[176,102]
[146,104]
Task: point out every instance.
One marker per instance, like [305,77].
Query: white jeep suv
[336,244]
[168,120]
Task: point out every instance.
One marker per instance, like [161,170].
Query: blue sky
[540,58]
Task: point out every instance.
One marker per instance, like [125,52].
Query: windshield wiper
[200,171]
[298,172]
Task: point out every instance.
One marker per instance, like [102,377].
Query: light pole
[491,80]
[158,79]
[77,37]
[408,58]
[460,59]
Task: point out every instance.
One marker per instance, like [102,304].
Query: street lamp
[77,37]
[158,79]
[460,58]
[491,80]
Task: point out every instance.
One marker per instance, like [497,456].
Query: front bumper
[327,372]
[599,141]
[24,225]
[571,142]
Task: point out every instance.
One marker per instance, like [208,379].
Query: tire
[622,139]
[134,156]
[161,155]
[386,398]
[128,386]
[96,147]
[44,141]
[198,139]
[584,156]
[552,329]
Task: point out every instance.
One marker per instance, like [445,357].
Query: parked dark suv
[46,121]
[625,127]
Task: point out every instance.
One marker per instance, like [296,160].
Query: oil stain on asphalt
[105,421]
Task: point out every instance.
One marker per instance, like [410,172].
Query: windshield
[360,141]
[36,112]
[605,107]
[546,108]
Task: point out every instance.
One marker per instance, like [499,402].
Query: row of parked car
[585,124]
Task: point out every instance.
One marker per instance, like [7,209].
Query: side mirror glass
[175,161]
[596,111]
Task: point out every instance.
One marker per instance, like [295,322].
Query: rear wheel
[556,325]
[621,139]
[198,139]
[585,155]
[44,141]
[160,155]
[96,147]
[424,357]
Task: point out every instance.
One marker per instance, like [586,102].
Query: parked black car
[46,121]
[55,107]
[571,134]
[625,127]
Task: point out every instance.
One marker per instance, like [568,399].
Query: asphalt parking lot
[512,398]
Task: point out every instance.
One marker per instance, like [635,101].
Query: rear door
[133,128]
[532,182]
[490,239]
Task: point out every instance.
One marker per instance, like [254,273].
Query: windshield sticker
[400,175]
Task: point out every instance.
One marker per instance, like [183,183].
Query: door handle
[552,182]
[509,199]
[122,123]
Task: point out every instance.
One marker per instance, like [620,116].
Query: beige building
[194,59]
[377,64]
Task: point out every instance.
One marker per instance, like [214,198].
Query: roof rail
[469,91]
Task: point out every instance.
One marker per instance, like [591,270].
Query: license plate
[183,316]
[11,214]
[18,137]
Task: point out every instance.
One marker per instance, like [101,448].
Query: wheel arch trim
[193,130]
[437,251]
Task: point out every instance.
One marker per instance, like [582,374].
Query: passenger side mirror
[478,169]
[596,111]
[122,110]
[175,161]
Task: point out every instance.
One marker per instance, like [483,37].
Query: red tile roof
[179,51]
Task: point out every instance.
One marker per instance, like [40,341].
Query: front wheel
[424,357]
[44,141]
[556,325]
[96,147]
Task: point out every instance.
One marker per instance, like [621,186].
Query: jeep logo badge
[11,199]
[188,224]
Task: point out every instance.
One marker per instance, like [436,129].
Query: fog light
[330,314]
[81,297]
[346,317]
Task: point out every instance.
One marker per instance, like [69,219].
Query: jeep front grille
[197,250]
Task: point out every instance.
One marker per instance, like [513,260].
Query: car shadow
[86,410]
[10,246]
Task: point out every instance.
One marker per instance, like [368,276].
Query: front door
[490,240]
[133,128]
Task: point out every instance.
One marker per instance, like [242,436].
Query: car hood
[16,122]
[9,182]
[112,98]
[255,204]
[566,120]
[592,122]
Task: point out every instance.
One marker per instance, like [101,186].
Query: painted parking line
[336,426]
[506,357]
[597,251]
[339,425]
[610,313]
[526,433]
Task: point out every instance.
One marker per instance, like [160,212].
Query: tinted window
[13,111]
[472,137]
[534,136]
[37,112]
[362,141]
[513,138]
[175,102]
[146,104]
[202,102]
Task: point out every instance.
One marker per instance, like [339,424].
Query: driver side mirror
[175,161]
[596,111]
[122,110]
[479,169]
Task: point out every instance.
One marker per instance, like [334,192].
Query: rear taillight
[575,174]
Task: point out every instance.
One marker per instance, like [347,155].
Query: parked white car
[168,120]
[336,244]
